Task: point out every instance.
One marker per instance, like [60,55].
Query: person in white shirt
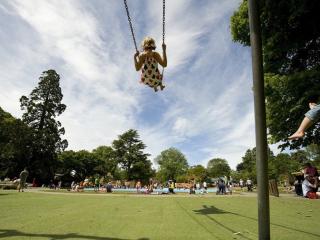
[205,186]
[241,183]
[249,185]
[309,188]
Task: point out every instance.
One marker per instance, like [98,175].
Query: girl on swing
[148,60]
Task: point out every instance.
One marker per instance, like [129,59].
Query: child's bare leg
[305,124]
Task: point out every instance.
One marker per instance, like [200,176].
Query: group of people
[97,186]
[224,186]
[248,184]
[146,188]
[197,186]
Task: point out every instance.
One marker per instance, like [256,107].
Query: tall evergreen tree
[40,111]
[128,150]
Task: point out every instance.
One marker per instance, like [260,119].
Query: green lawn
[32,215]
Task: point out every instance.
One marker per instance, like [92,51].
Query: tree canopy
[15,145]
[291,59]
[198,173]
[128,152]
[218,167]
[172,163]
[290,33]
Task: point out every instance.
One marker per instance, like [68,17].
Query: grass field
[35,215]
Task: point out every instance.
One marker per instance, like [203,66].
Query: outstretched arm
[138,61]
[162,61]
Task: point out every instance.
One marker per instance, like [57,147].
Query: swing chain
[131,27]
[163,20]
[130,24]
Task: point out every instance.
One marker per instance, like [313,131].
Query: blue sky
[206,109]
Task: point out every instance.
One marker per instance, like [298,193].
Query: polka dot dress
[150,73]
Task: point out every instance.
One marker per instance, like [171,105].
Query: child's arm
[162,62]
[138,61]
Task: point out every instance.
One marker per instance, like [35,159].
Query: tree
[172,163]
[83,162]
[247,168]
[218,167]
[300,156]
[107,163]
[282,165]
[291,91]
[128,150]
[291,49]
[290,34]
[15,145]
[198,173]
[40,110]
[313,153]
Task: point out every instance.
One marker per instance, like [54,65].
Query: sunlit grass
[122,217]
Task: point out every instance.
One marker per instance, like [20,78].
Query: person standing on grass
[96,184]
[138,186]
[23,179]
[241,184]
[205,186]
[171,186]
[249,185]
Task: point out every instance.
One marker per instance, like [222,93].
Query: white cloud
[206,108]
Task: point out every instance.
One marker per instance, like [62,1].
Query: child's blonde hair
[148,43]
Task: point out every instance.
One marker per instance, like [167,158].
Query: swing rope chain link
[163,25]
[163,20]
[130,24]
[131,27]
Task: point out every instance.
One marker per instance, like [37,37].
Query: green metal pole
[260,121]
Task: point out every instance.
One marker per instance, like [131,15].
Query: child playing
[310,118]
[148,60]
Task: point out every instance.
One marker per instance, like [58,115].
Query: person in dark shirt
[23,178]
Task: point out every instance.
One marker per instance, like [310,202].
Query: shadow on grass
[207,211]
[213,210]
[4,233]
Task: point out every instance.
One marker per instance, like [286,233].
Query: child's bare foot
[162,87]
[296,135]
